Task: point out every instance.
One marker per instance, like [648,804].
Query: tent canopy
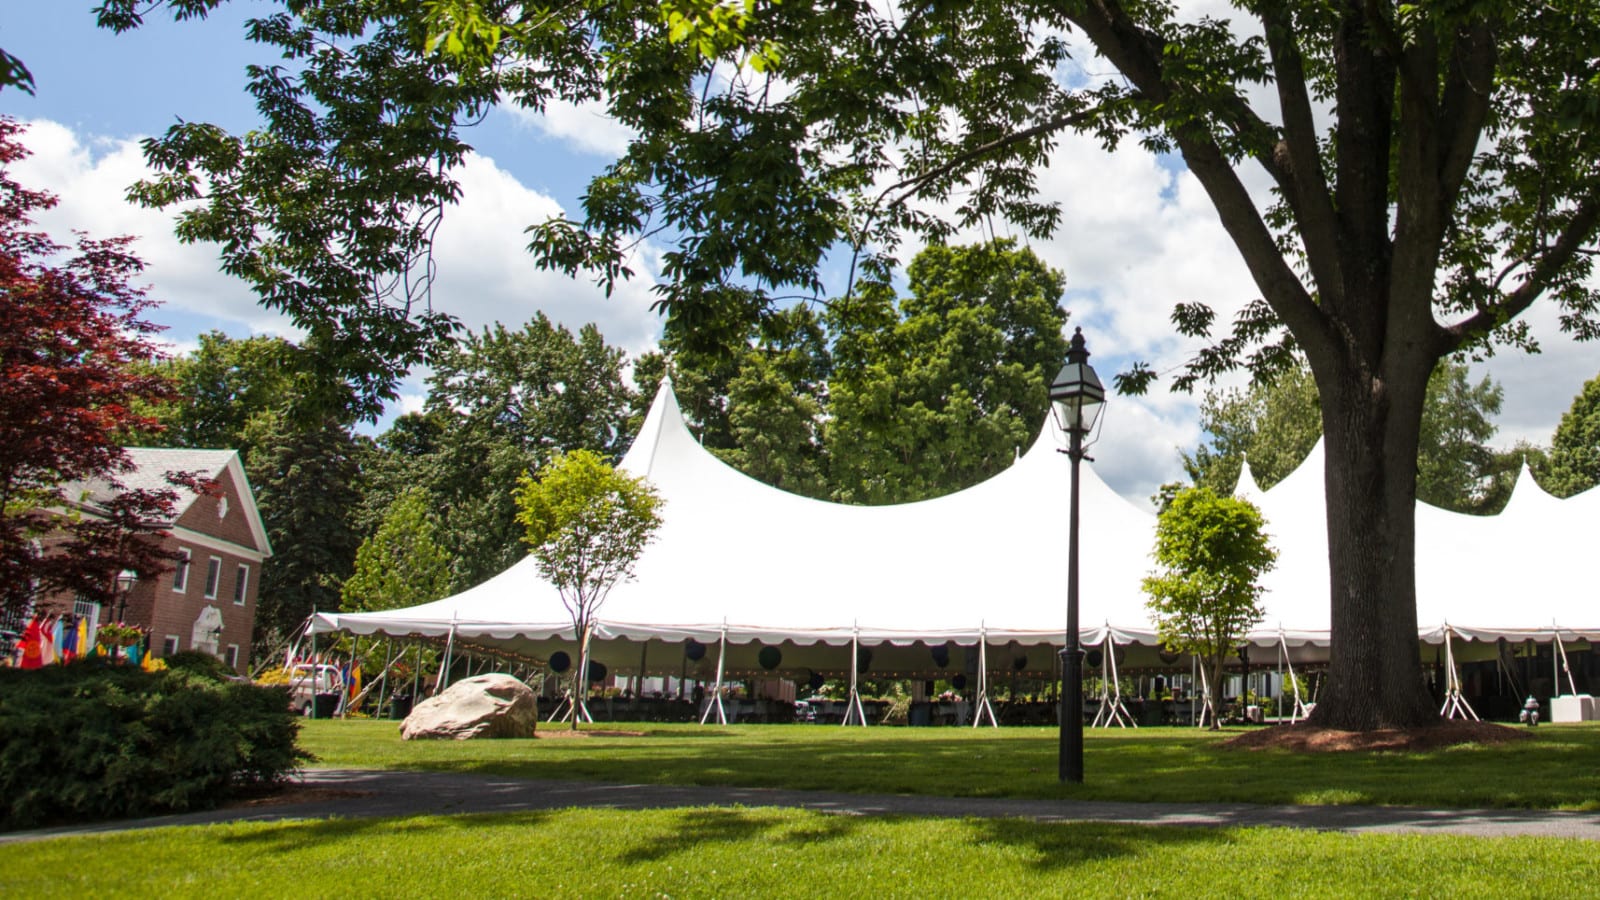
[736,559]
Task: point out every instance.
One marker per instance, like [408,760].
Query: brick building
[208,601]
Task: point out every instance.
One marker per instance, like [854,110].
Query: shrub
[200,663]
[92,741]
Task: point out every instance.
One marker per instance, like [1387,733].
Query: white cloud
[485,273]
[587,127]
[91,178]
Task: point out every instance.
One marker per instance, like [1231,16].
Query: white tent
[740,561]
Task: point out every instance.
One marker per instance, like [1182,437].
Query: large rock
[488,706]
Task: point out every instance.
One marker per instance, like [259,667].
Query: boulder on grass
[487,706]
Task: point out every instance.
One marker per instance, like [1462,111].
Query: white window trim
[212,586]
[231,656]
[180,574]
[241,584]
[170,640]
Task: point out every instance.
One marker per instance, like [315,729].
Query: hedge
[91,741]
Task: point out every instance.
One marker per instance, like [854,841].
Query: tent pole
[1561,654]
[716,691]
[1454,704]
[1111,709]
[388,661]
[853,709]
[416,674]
[983,705]
[580,697]
[644,656]
[1298,711]
[1281,652]
[1206,709]
[444,668]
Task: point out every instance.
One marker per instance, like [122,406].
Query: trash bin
[400,706]
[326,705]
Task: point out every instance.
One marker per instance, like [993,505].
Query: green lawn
[1558,769]
[779,853]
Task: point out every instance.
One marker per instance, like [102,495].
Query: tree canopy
[1574,463]
[1276,423]
[1205,596]
[1432,173]
[402,563]
[501,403]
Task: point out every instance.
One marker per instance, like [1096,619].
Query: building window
[169,645]
[232,656]
[85,609]
[180,574]
[213,576]
[240,584]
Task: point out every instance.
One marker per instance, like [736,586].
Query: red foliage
[70,337]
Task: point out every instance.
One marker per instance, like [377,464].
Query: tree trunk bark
[1372,424]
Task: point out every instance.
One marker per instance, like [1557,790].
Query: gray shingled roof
[151,465]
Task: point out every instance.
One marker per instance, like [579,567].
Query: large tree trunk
[1375,670]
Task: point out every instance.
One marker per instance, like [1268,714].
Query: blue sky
[1138,236]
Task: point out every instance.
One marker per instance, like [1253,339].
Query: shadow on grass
[295,835]
[1044,847]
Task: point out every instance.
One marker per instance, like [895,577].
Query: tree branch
[1579,231]
[910,185]
[1135,53]
[1307,187]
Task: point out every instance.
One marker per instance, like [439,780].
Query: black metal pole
[1071,657]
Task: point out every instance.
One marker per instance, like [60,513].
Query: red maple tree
[71,334]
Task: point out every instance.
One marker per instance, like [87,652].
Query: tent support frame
[1455,705]
[854,714]
[1299,710]
[1111,711]
[715,700]
[983,706]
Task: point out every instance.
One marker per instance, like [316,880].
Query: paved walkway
[400,793]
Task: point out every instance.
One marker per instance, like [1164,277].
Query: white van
[306,681]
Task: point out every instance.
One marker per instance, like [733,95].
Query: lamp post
[1076,398]
[125,580]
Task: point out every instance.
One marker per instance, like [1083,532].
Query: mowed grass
[1559,768]
[738,852]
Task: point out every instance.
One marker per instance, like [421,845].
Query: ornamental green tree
[1574,463]
[1431,173]
[1205,595]
[586,524]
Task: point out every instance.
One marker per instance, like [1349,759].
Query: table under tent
[745,581]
